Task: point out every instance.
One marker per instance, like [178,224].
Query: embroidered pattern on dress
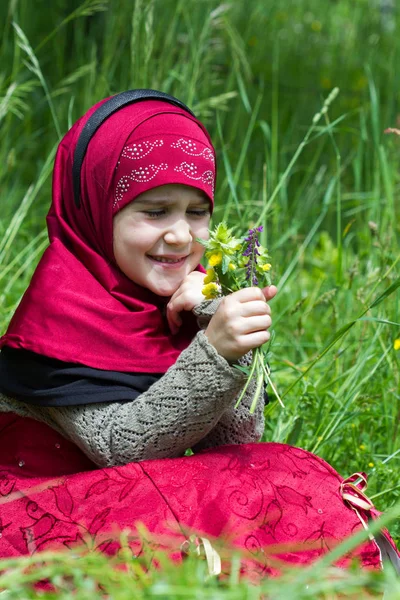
[140,175]
[190,170]
[190,147]
[141,149]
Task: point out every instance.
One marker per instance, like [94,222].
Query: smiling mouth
[171,261]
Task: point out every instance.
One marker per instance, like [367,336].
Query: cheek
[127,244]
[202,231]
[134,238]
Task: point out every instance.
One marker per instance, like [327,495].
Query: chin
[165,292]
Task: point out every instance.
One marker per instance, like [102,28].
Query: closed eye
[154,213]
[199,212]
[193,212]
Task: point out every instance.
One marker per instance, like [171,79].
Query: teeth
[167,260]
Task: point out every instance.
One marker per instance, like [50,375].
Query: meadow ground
[326,190]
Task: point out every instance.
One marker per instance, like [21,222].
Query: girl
[113,358]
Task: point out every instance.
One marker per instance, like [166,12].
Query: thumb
[270,292]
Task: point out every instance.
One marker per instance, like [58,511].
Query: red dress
[272,500]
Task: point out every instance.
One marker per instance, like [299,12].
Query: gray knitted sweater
[191,406]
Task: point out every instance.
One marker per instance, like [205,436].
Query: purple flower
[251,252]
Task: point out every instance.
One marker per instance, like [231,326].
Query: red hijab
[79,307]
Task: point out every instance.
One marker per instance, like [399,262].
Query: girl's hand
[187,296]
[241,322]
[270,292]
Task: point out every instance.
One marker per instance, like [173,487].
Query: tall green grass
[256,73]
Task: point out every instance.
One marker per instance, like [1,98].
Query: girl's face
[155,236]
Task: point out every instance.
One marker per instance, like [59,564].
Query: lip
[165,265]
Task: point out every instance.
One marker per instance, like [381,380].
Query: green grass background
[256,72]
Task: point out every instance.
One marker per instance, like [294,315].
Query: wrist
[229,356]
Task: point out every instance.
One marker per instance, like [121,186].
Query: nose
[178,233]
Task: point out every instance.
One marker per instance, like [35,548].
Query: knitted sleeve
[191,406]
[236,425]
[173,415]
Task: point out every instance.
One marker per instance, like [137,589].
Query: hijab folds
[79,307]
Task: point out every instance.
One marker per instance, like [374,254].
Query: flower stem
[269,380]
[260,381]
[249,379]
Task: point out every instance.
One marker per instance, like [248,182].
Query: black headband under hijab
[100,115]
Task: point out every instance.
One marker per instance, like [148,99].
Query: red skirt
[273,501]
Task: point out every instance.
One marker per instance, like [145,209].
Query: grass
[85,576]
[256,73]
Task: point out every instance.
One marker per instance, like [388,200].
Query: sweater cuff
[204,311]
[225,368]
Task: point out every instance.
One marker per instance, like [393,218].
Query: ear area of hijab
[100,115]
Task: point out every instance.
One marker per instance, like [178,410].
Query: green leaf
[295,433]
[376,320]
[225,263]
[202,242]
[386,293]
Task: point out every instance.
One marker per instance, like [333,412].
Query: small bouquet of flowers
[235,263]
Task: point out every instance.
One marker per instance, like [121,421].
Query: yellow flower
[266,267]
[396,344]
[371,464]
[210,291]
[215,259]
[362,446]
[231,266]
[211,276]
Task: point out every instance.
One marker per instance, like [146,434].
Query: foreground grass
[85,576]
[256,74]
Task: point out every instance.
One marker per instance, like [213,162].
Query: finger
[257,307]
[173,314]
[197,276]
[258,323]
[173,318]
[248,294]
[257,338]
[173,328]
[270,292]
